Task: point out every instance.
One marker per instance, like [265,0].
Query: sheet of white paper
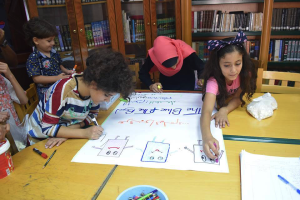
[157,131]
[259,177]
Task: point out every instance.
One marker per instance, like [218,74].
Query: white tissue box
[105,105]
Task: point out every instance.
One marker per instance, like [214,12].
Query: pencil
[49,158]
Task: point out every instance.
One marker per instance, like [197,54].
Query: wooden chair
[284,77]
[29,107]
[135,68]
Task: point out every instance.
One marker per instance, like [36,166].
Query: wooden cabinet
[83,25]
[140,22]
[133,25]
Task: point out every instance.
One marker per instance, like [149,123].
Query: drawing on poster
[200,157]
[156,152]
[113,147]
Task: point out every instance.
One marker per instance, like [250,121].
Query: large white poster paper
[157,131]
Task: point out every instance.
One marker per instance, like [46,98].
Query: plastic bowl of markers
[140,191]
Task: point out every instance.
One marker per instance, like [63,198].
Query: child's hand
[4,116]
[62,76]
[54,141]
[200,82]
[69,72]
[3,130]
[156,87]
[5,69]
[221,118]
[211,144]
[94,132]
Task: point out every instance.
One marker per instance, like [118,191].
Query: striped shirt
[62,106]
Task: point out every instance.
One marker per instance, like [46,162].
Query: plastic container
[137,190]
[6,164]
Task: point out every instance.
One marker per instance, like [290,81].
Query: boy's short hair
[108,69]
[39,28]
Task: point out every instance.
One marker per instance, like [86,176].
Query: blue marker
[286,182]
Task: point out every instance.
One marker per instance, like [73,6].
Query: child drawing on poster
[200,157]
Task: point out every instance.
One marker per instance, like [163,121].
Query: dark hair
[38,28]
[248,73]
[108,69]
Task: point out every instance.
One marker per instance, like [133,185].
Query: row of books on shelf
[86,1]
[133,27]
[166,27]
[284,50]
[58,2]
[201,48]
[97,33]
[284,19]
[216,21]
[63,40]
[50,2]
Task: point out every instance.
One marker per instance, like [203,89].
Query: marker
[74,69]
[124,100]
[159,87]
[40,153]
[49,158]
[286,182]
[217,159]
[147,195]
[94,119]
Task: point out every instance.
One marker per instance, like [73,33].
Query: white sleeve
[11,91]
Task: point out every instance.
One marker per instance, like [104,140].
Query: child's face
[231,65]
[44,45]
[98,96]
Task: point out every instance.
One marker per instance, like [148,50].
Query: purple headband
[219,44]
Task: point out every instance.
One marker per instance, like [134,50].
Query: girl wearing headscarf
[176,62]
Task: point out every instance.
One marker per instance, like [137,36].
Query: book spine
[94,34]
[298,54]
[280,50]
[195,22]
[133,30]
[286,43]
[289,51]
[60,38]
[297,19]
[256,50]
[296,50]
[270,50]
[108,30]
[277,49]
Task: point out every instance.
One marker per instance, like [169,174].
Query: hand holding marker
[74,69]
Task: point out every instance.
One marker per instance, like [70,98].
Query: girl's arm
[221,117]
[17,87]
[144,72]
[66,71]
[48,79]
[209,142]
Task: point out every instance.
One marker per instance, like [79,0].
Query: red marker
[42,154]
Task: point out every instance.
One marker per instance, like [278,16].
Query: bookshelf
[265,35]
[145,20]
[82,25]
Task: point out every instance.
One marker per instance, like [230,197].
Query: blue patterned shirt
[39,64]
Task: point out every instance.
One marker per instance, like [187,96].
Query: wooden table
[285,122]
[62,179]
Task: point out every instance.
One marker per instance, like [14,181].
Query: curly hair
[38,28]
[248,74]
[108,69]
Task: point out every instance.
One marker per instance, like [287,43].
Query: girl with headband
[228,75]
[176,62]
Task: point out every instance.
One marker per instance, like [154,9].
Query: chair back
[29,107]
[282,77]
